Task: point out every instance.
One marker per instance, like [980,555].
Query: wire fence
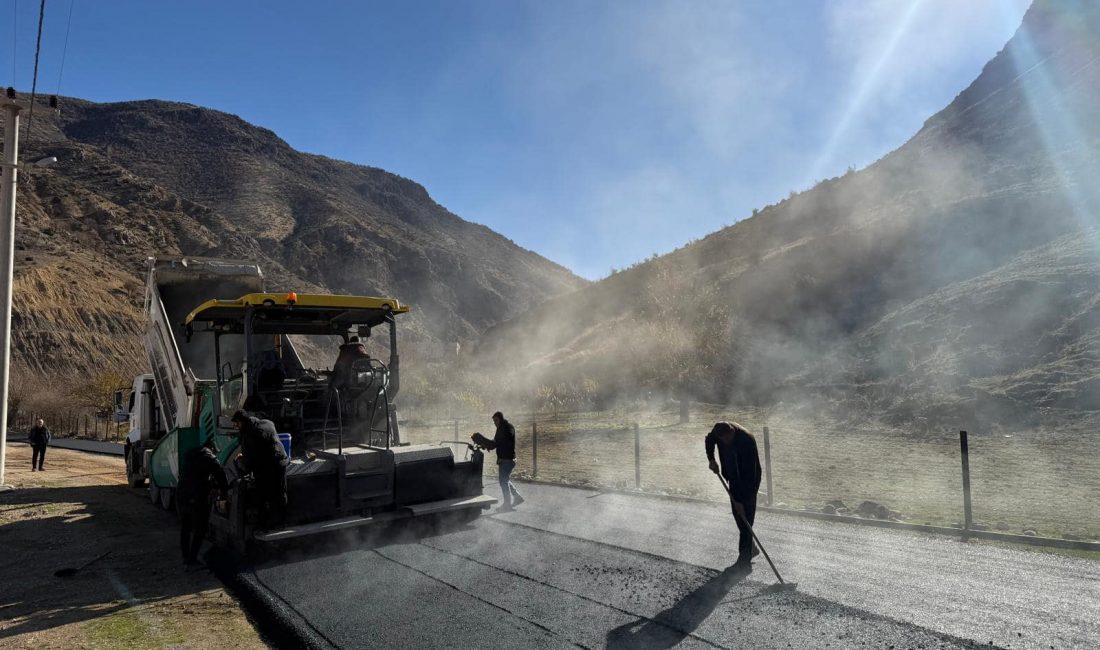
[1032,483]
[1040,482]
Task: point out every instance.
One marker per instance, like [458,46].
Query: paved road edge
[278,623]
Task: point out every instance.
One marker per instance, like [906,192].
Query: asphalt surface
[573,568]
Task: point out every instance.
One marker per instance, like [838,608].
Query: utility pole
[11,108]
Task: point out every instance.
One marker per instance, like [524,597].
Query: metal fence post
[534,449]
[965,448]
[768,464]
[637,459]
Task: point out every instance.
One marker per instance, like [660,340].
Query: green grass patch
[126,629]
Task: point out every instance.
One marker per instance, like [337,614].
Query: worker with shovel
[741,468]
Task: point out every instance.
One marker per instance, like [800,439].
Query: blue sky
[595,133]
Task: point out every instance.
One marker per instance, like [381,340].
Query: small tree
[97,393]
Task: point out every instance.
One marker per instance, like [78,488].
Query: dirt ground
[138,596]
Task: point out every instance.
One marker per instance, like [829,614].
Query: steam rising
[950,285]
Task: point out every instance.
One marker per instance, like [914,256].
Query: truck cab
[145,428]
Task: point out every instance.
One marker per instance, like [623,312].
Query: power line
[65,49]
[34,79]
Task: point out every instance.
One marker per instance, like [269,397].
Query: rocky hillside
[956,277]
[145,178]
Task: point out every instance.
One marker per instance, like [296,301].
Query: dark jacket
[504,442]
[341,370]
[39,436]
[260,445]
[200,475]
[739,458]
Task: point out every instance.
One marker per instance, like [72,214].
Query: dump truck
[217,342]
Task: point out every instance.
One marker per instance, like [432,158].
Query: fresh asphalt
[577,568]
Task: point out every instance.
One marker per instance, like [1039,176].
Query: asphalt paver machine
[348,465]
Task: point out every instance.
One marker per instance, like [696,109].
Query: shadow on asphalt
[90,521]
[403,531]
[669,627]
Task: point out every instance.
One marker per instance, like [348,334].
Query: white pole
[7,258]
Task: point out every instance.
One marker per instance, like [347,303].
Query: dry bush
[33,395]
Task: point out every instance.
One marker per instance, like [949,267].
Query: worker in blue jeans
[504,442]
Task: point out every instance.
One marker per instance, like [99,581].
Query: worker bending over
[741,468]
[263,455]
[200,475]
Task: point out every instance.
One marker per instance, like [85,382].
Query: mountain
[957,277]
[143,178]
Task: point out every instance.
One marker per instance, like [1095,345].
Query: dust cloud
[950,285]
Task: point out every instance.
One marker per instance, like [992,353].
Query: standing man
[263,455]
[741,468]
[200,475]
[504,442]
[39,438]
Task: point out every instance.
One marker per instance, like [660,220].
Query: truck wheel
[134,478]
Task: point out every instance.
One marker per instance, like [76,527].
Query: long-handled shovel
[70,572]
[782,586]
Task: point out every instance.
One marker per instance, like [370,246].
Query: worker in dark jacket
[504,442]
[741,468]
[263,455]
[39,438]
[350,352]
[200,475]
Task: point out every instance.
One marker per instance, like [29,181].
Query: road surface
[577,568]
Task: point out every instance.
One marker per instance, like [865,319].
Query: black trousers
[194,522]
[271,483]
[38,456]
[744,544]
